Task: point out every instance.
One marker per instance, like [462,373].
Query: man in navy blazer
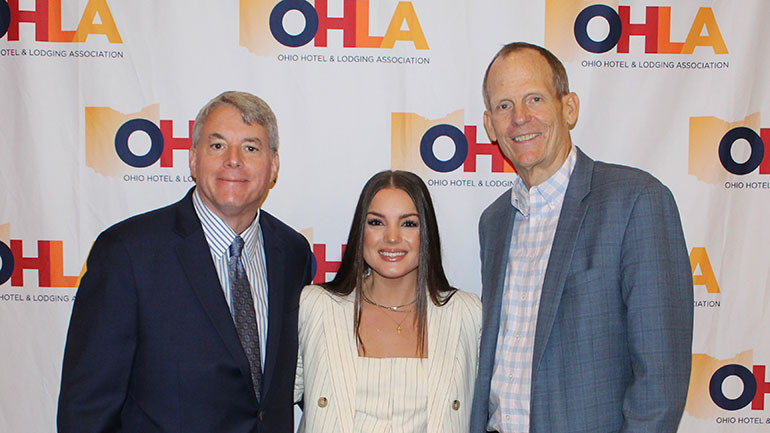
[152,345]
[586,280]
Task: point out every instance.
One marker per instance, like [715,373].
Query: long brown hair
[431,280]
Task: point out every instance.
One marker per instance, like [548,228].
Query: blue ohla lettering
[6,267]
[429,157]
[156,143]
[749,387]
[279,32]
[5,18]
[726,146]
[581,28]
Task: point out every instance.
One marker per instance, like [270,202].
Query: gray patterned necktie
[243,312]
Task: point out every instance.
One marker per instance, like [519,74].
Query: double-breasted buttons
[456,405]
[323,402]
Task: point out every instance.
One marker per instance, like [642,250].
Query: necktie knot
[236,247]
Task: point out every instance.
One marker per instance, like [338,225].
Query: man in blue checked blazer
[586,281]
[153,345]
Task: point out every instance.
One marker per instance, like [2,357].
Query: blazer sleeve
[299,378]
[101,341]
[307,278]
[657,290]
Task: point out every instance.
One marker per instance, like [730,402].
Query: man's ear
[193,153]
[275,166]
[488,126]
[571,106]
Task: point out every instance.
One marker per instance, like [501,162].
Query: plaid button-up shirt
[534,226]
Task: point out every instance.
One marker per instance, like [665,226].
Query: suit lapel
[498,241]
[195,257]
[443,338]
[274,258]
[342,353]
[570,219]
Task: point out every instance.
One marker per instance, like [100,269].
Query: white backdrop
[670,80]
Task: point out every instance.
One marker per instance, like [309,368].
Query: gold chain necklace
[399,322]
[396,308]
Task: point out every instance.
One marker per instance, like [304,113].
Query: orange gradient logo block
[560,18]
[711,154]
[699,401]
[414,139]
[102,124]
[406,134]
[5,233]
[726,384]
[254,30]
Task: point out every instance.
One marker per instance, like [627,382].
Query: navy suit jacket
[613,339]
[152,346]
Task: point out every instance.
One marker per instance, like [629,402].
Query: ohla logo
[109,133]
[162,142]
[354,24]
[718,146]
[448,132]
[466,149]
[323,266]
[726,384]
[754,382]
[757,146]
[656,30]
[47,19]
[49,264]
[702,271]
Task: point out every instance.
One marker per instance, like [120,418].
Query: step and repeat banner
[98,98]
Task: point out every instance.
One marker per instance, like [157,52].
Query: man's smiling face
[526,116]
[233,166]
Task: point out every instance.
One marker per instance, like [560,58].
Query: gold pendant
[398,329]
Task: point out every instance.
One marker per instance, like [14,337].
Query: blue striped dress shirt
[219,237]
[534,226]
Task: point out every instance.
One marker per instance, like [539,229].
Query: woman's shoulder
[313,302]
[311,291]
[464,305]
[316,303]
[312,294]
[464,308]
[466,299]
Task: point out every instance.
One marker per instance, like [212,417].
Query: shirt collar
[219,235]
[550,193]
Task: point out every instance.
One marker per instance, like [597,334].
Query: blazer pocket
[588,290]
[584,279]
[591,301]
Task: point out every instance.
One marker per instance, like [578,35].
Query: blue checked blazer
[613,341]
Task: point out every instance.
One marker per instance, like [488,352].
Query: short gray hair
[560,81]
[252,108]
